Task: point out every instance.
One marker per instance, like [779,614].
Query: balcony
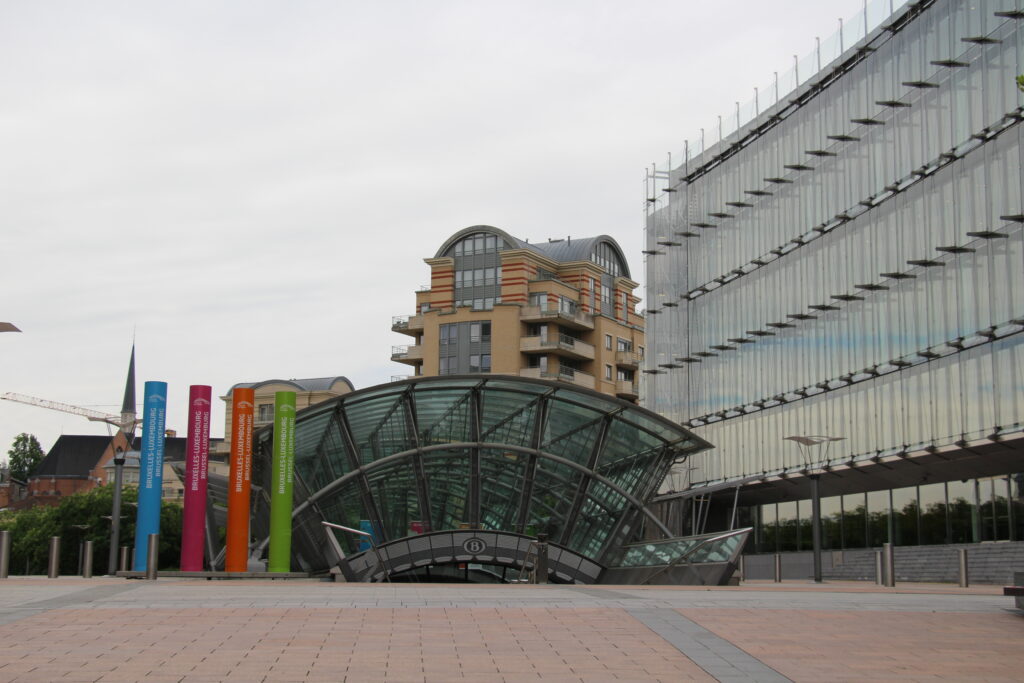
[626,389]
[407,324]
[563,345]
[410,355]
[575,320]
[562,374]
[627,359]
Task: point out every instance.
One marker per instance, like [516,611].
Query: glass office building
[843,258]
[454,476]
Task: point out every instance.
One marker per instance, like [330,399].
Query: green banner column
[280,555]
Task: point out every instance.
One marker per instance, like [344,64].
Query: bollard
[962,554]
[122,563]
[879,579]
[778,568]
[87,560]
[540,567]
[742,569]
[890,565]
[5,553]
[53,568]
[152,551]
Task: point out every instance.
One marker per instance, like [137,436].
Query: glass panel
[501,482]
[554,488]
[878,518]
[394,492]
[448,476]
[788,527]
[905,508]
[933,514]
[443,416]
[962,511]
[854,521]
[831,523]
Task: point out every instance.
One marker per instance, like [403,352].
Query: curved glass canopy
[496,453]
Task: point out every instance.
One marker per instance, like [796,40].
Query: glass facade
[851,263]
[971,511]
[499,454]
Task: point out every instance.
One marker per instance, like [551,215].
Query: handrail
[380,562]
[691,551]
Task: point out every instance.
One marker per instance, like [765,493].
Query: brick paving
[192,631]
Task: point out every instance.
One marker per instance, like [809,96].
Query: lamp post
[115,512]
[805,443]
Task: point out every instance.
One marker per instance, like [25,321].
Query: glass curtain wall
[857,269]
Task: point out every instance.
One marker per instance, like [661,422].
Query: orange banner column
[236,556]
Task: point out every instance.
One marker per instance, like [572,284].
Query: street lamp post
[805,443]
[115,512]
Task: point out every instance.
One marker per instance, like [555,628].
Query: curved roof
[562,251]
[580,249]
[503,453]
[510,241]
[311,384]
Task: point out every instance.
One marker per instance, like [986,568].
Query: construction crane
[126,423]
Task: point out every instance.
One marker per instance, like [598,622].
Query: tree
[25,455]
[84,516]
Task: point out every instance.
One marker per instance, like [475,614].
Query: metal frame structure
[499,454]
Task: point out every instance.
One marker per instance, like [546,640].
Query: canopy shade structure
[500,454]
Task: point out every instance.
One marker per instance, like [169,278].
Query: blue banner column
[151,468]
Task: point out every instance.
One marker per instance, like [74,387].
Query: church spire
[128,405]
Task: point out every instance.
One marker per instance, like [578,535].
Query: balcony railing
[563,345]
[627,359]
[562,374]
[574,319]
[407,324]
[412,355]
[626,388]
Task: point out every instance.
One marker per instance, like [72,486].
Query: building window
[478,243]
[266,412]
[607,372]
[640,350]
[480,362]
[624,345]
[608,342]
[448,334]
[566,305]
[625,375]
[424,308]
[480,331]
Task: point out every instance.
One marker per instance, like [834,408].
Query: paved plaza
[187,630]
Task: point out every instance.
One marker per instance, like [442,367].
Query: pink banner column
[197,451]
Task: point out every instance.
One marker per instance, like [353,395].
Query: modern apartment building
[836,290]
[562,310]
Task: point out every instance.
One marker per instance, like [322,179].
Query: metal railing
[373,546]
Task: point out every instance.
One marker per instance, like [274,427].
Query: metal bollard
[152,551]
[742,569]
[890,565]
[122,562]
[53,568]
[778,568]
[962,555]
[5,553]
[879,579]
[87,560]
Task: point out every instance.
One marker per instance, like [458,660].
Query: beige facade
[562,310]
[307,392]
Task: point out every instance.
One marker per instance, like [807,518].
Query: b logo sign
[474,546]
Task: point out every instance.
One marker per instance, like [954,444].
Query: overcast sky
[250,187]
